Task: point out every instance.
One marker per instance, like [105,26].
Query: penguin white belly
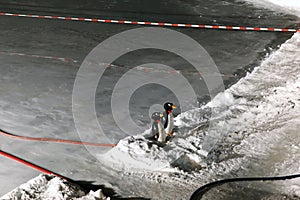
[170,125]
[162,134]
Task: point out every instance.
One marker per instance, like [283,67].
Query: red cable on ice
[55,140]
[30,164]
[165,24]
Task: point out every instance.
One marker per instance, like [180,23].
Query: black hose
[198,194]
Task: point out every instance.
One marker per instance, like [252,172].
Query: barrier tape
[74,142]
[166,24]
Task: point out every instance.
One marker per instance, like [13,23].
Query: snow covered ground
[260,123]
[254,132]
[289,6]
[50,187]
[260,108]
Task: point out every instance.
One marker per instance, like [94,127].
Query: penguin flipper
[164,119]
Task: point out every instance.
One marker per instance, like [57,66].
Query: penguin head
[156,116]
[169,106]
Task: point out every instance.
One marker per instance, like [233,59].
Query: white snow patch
[288,6]
[250,119]
[223,99]
[51,187]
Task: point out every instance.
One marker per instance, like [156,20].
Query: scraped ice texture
[238,112]
[255,114]
[252,119]
[290,6]
[50,187]
[262,119]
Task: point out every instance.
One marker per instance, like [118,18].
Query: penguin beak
[173,107]
[161,115]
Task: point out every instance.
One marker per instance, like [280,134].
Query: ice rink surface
[36,93]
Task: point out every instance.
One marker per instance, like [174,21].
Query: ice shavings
[51,187]
[245,122]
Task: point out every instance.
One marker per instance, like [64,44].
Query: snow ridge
[286,6]
[51,187]
[252,120]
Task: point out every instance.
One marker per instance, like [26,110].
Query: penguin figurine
[168,118]
[158,128]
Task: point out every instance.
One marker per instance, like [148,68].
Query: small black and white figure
[158,128]
[168,118]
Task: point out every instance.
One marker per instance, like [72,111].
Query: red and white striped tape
[166,24]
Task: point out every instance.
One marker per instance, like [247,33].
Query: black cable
[198,194]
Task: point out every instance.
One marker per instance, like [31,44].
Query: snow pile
[288,6]
[51,187]
[137,153]
[260,103]
[260,130]
[250,120]
[269,116]
[269,91]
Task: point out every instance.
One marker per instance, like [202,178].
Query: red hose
[39,168]
[55,140]
[31,165]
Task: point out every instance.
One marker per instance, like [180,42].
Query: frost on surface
[255,125]
[286,6]
[51,187]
